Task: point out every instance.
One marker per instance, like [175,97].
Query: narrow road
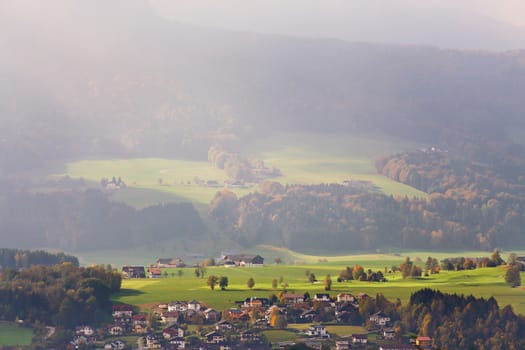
[50,332]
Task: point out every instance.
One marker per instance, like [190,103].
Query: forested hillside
[20,259]
[81,221]
[339,218]
[101,79]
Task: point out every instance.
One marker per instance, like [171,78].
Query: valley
[482,282]
[302,158]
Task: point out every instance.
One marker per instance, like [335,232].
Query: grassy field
[14,335]
[317,158]
[302,158]
[278,335]
[153,180]
[485,283]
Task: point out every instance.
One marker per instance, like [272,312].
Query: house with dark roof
[325,297]
[169,317]
[245,259]
[177,306]
[133,272]
[342,345]
[223,326]
[345,297]
[169,262]
[214,337]
[122,311]
[292,298]
[359,338]
[172,332]
[317,331]
[380,319]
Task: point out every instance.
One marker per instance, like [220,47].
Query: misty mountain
[90,78]
[466,24]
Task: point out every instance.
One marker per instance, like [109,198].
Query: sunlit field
[317,158]
[13,335]
[153,180]
[483,282]
[302,158]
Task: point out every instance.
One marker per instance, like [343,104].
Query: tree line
[16,258]
[240,169]
[63,295]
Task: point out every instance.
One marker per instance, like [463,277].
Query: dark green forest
[17,259]
[64,295]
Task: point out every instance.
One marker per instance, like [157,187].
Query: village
[240,327]
[191,324]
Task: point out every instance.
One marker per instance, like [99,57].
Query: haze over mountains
[94,78]
[114,77]
[465,24]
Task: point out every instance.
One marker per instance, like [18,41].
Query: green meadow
[483,282]
[153,180]
[302,158]
[14,335]
[306,158]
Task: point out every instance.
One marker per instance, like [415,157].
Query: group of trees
[409,269]
[212,282]
[231,163]
[357,272]
[462,322]
[468,263]
[16,258]
[240,169]
[513,273]
[116,182]
[63,295]
[222,281]
[453,321]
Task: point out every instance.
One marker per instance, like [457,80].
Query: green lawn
[14,335]
[485,283]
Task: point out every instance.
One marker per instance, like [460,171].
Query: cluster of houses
[363,184]
[125,322]
[242,260]
[241,327]
[155,271]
